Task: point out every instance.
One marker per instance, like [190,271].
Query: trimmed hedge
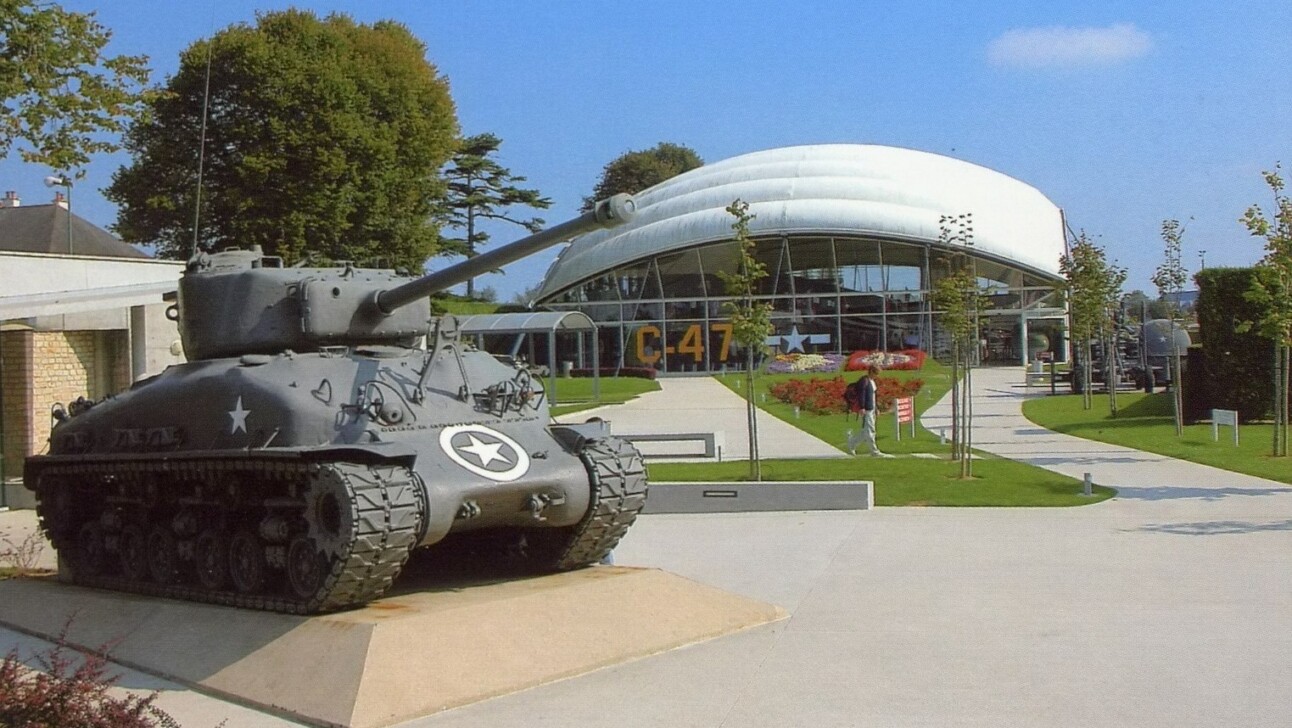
[637,372]
[1238,366]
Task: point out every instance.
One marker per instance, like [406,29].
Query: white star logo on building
[485,452]
[239,417]
[793,341]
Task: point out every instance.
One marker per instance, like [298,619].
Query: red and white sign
[904,411]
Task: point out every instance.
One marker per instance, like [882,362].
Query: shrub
[825,396]
[19,558]
[64,694]
[1239,364]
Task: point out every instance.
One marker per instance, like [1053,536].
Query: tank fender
[573,436]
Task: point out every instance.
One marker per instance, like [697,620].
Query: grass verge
[1144,422]
[575,394]
[905,480]
[909,481]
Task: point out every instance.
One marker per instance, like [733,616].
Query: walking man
[865,408]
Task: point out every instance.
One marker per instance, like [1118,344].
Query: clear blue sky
[1121,113]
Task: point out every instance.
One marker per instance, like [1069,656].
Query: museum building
[852,236]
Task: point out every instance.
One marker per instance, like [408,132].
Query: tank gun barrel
[607,213]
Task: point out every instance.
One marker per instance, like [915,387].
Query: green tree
[61,98]
[959,298]
[1170,278]
[324,137]
[481,189]
[1092,287]
[1273,290]
[751,322]
[633,172]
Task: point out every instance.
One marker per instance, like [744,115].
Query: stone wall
[42,368]
[15,391]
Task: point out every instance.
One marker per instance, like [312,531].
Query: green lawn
[575,394]
[1144,423]
[905,480]
[908,481]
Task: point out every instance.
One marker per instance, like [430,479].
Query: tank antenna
[201,150]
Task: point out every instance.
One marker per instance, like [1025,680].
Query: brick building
[81,315]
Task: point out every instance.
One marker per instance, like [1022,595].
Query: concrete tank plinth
[400,657]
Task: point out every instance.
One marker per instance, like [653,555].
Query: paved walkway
[702,404]
[1170,605]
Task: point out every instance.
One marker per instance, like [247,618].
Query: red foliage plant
[825,396]
[68,690]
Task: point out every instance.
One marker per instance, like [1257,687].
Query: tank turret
[308,446]
[239,302]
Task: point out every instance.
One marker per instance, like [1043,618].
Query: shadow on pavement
[1215,528]
[1182,492]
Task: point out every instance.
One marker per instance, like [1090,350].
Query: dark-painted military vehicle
[324,426]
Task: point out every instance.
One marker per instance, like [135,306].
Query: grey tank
[324,426]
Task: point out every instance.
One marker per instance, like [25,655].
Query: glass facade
[828,294]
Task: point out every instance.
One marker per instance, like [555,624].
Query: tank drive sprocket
[279,534]
[617,477]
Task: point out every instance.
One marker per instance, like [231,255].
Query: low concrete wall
[736,497]
[16,496]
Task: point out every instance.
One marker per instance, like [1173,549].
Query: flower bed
[806,363]
[906,359]
[825,396]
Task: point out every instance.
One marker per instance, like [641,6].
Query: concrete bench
[743,497]
[710,440]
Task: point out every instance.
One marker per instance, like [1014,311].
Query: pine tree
[481,189]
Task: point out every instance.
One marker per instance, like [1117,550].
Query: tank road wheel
[132,548]
[247,562]
[211,559]
[91,550]
[163,555]
[306,567]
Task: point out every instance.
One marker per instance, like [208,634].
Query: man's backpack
[852,396]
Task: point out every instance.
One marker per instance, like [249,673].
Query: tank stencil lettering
[485,452]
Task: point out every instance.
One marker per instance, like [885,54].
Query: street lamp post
[65,182]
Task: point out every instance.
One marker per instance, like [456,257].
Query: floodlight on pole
[64,181]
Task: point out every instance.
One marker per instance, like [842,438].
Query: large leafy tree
[480,189]
[633,172]
[62,98]
[324,138]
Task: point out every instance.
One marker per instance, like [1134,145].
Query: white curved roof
[834,189]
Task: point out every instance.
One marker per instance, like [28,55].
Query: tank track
[305,537]
[617,476]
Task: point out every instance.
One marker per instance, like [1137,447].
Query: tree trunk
[1177,385]
[1087,378]
[955,401]
[751,412]
[966,440]
[1281,377]
[1111,373]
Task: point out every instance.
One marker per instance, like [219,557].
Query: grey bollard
[1087,487]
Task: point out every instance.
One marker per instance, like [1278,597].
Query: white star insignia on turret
[239,417]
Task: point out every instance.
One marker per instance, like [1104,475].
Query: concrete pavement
[1170,605]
